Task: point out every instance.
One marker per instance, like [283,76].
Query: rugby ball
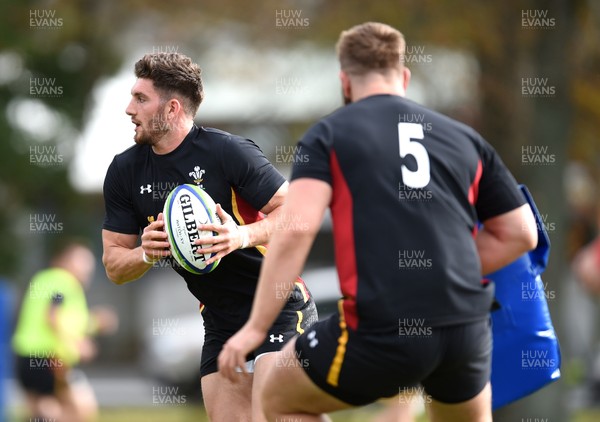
[186,207]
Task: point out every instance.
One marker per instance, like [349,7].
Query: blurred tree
[51,55]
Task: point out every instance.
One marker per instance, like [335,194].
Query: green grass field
[197,414]
[194,413]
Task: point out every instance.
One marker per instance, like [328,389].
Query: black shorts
[452,363]
[40,375]
[298,314]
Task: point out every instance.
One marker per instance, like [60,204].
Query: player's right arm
[509,227]
[506,237]
[123,257]
[124,261]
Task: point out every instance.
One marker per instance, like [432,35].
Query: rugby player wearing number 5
[171,150]
[405,203]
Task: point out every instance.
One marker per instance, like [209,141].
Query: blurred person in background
[53,335]
[582,291]
[586,266]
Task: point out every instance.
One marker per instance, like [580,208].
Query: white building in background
[261,90]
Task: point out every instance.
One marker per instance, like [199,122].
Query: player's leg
[478,409]
[459,388]
[397,409]
[43,407]
[79,400]
[262,366]
[299,313]
[226,401]
[289,393]
[38,383]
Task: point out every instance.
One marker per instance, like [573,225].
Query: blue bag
[526,353]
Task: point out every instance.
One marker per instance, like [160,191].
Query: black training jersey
[409,186]
[232,170]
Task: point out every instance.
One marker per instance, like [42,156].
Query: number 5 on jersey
[420,177]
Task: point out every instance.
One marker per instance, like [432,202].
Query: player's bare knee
[48,406]
[268,397]
[273,400]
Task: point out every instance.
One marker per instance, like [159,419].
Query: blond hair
[371,46]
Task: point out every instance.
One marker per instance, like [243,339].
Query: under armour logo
[279,338]
[312,336]
[146,189]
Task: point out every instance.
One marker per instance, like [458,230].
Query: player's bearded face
[148,112]
[153,129]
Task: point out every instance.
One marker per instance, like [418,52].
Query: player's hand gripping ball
[186,207]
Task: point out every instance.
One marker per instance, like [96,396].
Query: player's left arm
[288,248]
[231,236]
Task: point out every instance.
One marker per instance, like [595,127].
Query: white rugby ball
[186,207]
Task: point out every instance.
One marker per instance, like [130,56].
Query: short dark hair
[371,46]
[173,74]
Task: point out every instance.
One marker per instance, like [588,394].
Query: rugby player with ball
[169,151]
